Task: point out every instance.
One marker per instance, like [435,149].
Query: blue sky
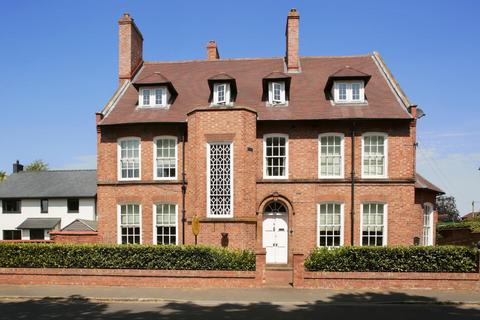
[59,67]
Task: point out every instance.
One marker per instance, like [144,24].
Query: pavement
[238,295]
[92,303]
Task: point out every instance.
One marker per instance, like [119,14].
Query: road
[78,308]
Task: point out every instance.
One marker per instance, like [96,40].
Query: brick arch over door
[276,197]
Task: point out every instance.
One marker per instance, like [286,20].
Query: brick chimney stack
[17,167]
[291,55]
[212,51]
[130,48]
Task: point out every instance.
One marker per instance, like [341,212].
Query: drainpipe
[352,204]
[184,189]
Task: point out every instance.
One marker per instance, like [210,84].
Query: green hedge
[37,255]
[473,225]
[393,259]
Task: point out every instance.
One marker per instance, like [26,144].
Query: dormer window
[348,92]
[276,92]
[276,89]
[153,97]
[221,93]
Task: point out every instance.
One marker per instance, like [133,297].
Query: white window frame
[227,100]
[119,221]
[265,171]
[209,215]
[154,210]
[349,98]
[119,158]
[430,235]
[153,104]
[271,99]
[342,222]
[155,176]
[342,155]
[385,150]
[385,221]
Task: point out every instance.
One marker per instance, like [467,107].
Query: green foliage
[37,165]
[393,259]
[473,225]
[446,205]
[3,176]
[163,257]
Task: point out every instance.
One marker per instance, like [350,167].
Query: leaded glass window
[220,175]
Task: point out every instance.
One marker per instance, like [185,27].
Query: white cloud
[82,162]
[456,173]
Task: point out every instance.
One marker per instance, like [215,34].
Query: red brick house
[283,153]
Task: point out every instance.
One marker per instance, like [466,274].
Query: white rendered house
[34,203]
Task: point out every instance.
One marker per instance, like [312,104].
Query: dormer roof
[156,79]
[346,73]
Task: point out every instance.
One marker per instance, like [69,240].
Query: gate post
[298,269]
[260,262]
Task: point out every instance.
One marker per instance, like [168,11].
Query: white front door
[275,236]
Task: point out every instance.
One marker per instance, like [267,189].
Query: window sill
[226,219]
[350,103]
[139,182]
[11,212]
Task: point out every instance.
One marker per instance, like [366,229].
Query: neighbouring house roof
[307,99]
[50,184]
[81,225]
[39,223]
[422,183]
[471,215]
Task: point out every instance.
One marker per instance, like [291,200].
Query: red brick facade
[244,127]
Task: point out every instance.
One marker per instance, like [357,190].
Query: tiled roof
[422,183]
[81,225]
[39,223]
[307,99]
[50,184]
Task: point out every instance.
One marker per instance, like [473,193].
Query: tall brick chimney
[212,50]
[130,48]
[291,55]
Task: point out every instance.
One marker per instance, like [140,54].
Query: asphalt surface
[82,303]
[78,309]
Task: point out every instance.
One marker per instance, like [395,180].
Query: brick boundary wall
[137,278]
[83,237]
[381,280]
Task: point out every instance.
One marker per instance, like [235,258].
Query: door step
[278,276]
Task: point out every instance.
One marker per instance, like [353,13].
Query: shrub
[168,257]
[393,259]
[473,225]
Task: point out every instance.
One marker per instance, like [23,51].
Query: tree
[446,206]
[37,165]
[3,176]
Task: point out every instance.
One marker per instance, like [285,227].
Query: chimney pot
[292,57]
[212,50]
